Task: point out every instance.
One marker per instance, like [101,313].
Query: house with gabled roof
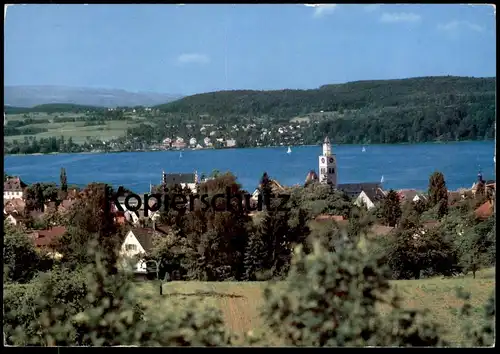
[15,218]
[369,196]
[45,239]
[14,188]
[138,242]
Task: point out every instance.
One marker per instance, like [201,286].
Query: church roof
[178,178]
[371,189]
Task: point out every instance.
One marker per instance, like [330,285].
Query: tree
[438,193]
[410,218]
[90,219]
[255,257]
[63,180]
[20,259]
[476,247]
[409,252]
[265,189]
[34,197]
[391,208]
[419,206]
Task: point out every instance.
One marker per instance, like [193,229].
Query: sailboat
[363,149]
[180,155]
[289,151]
[382,179]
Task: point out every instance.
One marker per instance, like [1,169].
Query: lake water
[403,166]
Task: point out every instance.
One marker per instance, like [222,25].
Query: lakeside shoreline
[242,148]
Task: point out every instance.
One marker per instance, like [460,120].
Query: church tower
[328,165]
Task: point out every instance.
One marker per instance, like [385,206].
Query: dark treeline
[52,108]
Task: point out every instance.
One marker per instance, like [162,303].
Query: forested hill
[425,109]
[421,92]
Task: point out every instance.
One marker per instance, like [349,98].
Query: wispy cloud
[321,10]
[400,17]
[454,26]
[193,58]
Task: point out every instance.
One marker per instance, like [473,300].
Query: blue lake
[403,166]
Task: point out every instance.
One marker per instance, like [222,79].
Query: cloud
[454,26]
[321,10]
[193,58]
[399,17]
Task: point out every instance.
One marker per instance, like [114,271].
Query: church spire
[327,147]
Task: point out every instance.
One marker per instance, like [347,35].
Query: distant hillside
[29,96]
[425,91]
[51,108]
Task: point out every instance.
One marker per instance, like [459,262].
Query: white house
[364,200]
[138,243]
[14,188]
[192,142]
[230,143]
[369,197]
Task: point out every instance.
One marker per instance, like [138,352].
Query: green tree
[63,180]
[476,246]
[391,208]
[438,193]
[20,259]
[255,257]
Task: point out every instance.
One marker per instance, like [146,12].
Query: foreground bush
[101,310]
[332,299]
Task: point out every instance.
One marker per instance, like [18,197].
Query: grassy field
[240,302]
[76,130]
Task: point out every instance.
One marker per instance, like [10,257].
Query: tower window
[332,170]
[323,170]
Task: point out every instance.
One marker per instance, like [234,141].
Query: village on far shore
[143,227]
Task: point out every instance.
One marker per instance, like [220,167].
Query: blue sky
[200,48]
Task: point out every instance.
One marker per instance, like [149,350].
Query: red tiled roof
[14,184]
[46,237]
[484,211]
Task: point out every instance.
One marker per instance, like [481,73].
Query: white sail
[382,179]
[363,149]
[289,151]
